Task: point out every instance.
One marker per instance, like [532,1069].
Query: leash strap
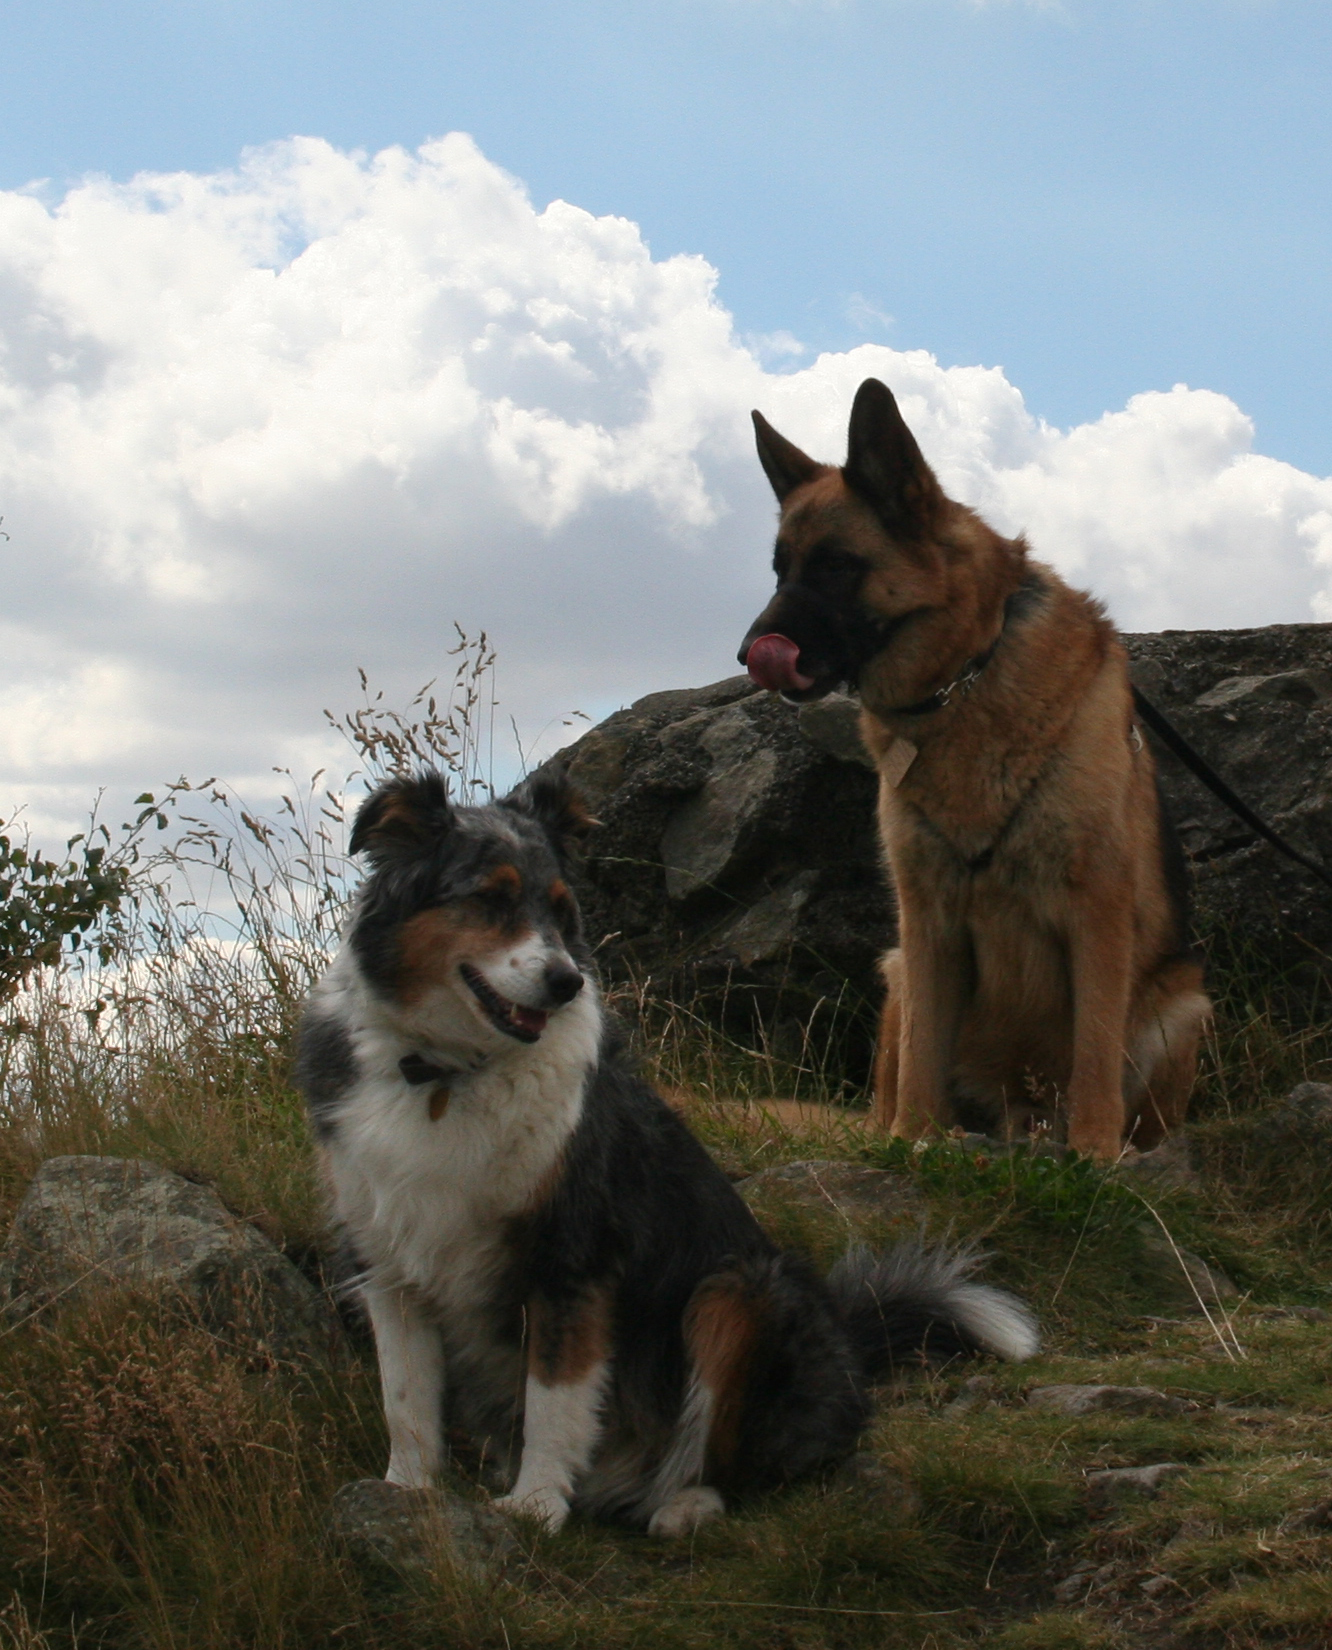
[1175,742]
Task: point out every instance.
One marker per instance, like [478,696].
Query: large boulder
[1257,704]
[738,866]
[96,1223]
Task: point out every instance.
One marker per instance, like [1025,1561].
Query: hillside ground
[157,1493]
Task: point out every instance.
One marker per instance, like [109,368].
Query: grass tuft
[159,1493]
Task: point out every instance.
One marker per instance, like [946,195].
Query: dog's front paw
[547,1505]
[408,1474]
[685,1511]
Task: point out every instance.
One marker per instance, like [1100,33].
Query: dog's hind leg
[1163,1052]
[411,1375]
[721,1328]
[889,1045]
[568,1370]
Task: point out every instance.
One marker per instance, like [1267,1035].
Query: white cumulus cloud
[262,427]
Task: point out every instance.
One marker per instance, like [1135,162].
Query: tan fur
[720,1330]
[432,944]
[1038,969]
[562,1346]
[505,880]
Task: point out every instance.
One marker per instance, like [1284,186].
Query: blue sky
[287,386]
[1100,196]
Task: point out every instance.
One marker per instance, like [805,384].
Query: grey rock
[705,835]
[767,930]
[415,1533]
[737,866]
[832,726]
[976,1393]
[1118,1484]
[714,800]
[1300,1314]
[895,1498]
[1088,1400]
[1270,742]
[1297,1131]
[1185,1278]
[851,1190]
[676,703]
[969,1141]
[1300,687]
[1075,1585]
[1168,1167]
[88,1223]
[1312,1102]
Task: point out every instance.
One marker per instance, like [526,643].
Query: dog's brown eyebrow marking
[558,892]
[504,879]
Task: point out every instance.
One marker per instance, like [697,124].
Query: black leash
[1175,742]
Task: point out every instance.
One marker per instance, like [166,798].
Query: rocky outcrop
[96,1223]
[1257,704]
[738,866]
[419,1533]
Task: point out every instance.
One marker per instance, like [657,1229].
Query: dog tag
[439,1102]
[901,754]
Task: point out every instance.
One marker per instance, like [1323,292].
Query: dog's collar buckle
[417,1071]
[1015,607]
[959,687]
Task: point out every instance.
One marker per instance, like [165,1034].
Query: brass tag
[901,754]
[439,1102]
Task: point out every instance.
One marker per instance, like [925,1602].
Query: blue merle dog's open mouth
[526,1024]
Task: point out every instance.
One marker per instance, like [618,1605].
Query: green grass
[159,1493]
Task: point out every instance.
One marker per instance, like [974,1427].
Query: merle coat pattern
[548,1256]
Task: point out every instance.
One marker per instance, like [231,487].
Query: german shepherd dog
[549,1259]
[1043,969]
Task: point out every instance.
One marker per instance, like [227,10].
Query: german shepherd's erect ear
[555,802]
[402,818]
[886,467]
[785,466]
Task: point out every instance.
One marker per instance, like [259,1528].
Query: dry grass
[157,1493]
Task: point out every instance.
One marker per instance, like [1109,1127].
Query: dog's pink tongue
[771,662]
[530,1019]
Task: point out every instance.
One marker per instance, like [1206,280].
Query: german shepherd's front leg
[568,1368]
[933,977]
[1101,965]
[888,1051]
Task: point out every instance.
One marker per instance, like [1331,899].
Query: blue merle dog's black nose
[563,982]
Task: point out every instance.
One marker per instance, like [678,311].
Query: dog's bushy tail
[912,1302]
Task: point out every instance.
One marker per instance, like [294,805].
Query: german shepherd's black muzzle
[827,643]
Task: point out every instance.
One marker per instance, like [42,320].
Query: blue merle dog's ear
[402,818]
[554,801]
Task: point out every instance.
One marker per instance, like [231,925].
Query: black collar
[961,684]
[1016,605]
[417,1070]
